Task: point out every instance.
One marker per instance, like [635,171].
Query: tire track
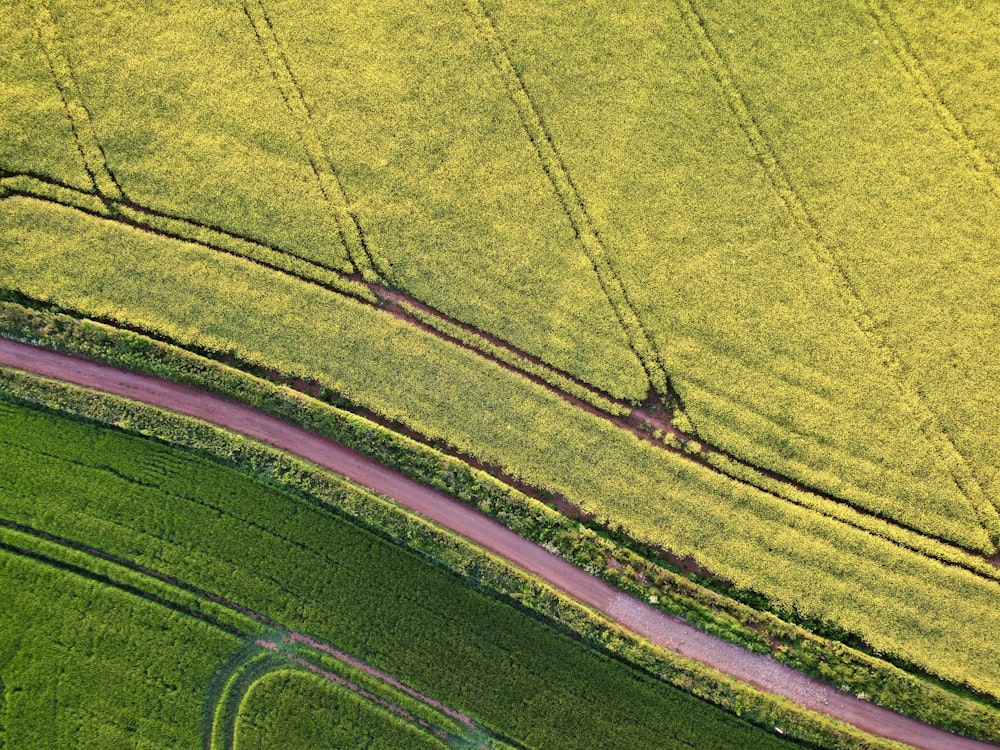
[904,53]
[949,456]
[573,206]
[147,220]
[329,182]
[302,269]
[94,158]
[637,617]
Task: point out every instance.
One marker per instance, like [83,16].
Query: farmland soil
[669,632]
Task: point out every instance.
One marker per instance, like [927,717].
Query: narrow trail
[644,421]
[669,632]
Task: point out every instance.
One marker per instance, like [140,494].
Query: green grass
[316,573]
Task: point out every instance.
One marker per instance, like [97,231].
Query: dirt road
[760,671]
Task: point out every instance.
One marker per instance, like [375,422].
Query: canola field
[725,279]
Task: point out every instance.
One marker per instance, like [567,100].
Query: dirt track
[636,616]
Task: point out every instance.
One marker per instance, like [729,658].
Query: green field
[777,231]
[125,565]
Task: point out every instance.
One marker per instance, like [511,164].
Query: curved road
[760,671]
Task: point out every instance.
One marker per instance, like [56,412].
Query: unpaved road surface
[760,671]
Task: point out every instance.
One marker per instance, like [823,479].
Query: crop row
[203,167]
[676,594]
[518,361]
[790,555]
[874,287]
[329,183]
[317,573]
[35,134]
[141,217]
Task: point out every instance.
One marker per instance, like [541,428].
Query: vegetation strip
[718,459]
[641,419]
[966,480]
[130,214]
[595,593]
[647,426]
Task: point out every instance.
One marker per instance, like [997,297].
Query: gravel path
[760,671]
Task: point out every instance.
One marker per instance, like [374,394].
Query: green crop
[87,665]
[291,710]
[161,509]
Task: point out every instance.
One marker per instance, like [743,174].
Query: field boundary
[949,456]
[908,59]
